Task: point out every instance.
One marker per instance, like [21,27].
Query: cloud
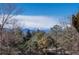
[34,22]
[41,22]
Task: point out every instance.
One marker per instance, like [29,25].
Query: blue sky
[45,15]
[49,9]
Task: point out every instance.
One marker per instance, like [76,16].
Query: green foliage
[75,21]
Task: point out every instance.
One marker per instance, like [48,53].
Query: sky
[44,15]
[49,9]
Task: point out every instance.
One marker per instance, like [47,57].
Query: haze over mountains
[39,22]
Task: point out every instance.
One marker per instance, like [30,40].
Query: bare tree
[7,12]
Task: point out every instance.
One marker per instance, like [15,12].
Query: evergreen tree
[75,21]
